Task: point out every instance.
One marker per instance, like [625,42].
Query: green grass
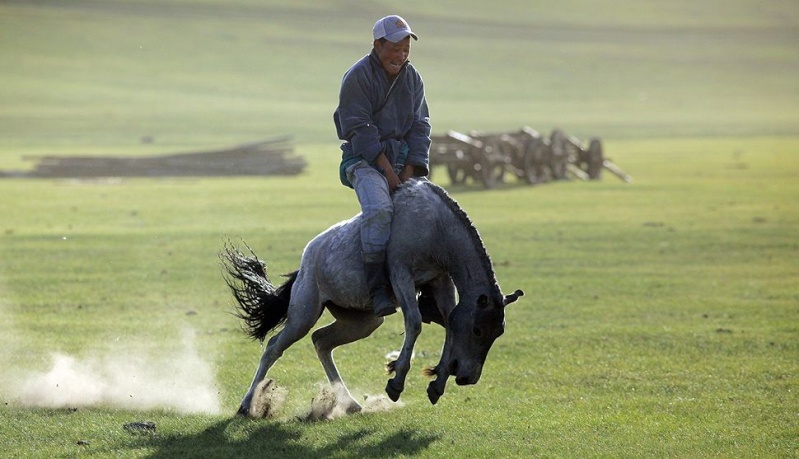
[93,76]
[660,317]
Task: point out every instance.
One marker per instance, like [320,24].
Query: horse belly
[335,259]
[345,286]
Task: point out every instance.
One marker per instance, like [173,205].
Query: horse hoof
[433,394]
[354,408]
[392,393]
[243,412]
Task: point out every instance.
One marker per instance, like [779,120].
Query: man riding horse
[439,270]
[383,118]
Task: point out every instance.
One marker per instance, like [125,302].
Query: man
[382,116]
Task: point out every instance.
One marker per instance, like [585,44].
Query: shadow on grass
[241,438]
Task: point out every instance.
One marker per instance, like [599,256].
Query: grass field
[661,317]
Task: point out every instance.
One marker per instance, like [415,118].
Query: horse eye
[477,332]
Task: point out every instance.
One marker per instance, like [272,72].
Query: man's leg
[377,210]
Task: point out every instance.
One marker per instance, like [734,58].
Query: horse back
[334,258]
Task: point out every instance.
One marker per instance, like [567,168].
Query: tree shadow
[283,440]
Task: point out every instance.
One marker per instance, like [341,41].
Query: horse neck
[458,249]
[466,263]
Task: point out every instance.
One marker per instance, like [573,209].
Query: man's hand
[393,180]
[407,173]
[388,171]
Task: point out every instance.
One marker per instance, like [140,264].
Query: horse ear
[513,297]
[482,302]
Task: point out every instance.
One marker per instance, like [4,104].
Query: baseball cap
[393,28]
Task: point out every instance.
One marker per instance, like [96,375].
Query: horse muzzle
[443,371]
[464,376]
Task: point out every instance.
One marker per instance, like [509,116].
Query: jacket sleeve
[354,116]
[418,137]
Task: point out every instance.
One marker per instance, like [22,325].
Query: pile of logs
[269,157]
[488,157]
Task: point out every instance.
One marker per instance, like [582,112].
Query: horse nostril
[477,332]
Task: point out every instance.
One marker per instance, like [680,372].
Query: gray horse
[434,251]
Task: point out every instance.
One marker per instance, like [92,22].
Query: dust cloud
[325,405]
[179,381]
[269,399]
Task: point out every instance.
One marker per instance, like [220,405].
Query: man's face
[393,55]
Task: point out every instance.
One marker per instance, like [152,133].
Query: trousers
[377,210]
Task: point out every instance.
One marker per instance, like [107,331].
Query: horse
[434,251]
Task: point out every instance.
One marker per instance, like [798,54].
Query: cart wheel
[529,167]
[595,159]
[491,172]
[535,163]
[558,166]
[457,174]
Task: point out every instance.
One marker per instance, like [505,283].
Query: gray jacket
[375,116]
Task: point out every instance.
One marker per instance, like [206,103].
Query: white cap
[393,28]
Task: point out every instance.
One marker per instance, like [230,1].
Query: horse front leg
[444,293]
[437,386]
[413,327]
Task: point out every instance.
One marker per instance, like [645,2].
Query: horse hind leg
[298,323]
[349,326]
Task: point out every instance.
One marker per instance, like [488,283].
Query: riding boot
[378,283]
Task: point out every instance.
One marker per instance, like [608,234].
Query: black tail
[261,306]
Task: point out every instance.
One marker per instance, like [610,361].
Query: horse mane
[461,214]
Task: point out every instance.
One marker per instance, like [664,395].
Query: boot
[378,284]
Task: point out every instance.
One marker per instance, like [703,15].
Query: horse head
[471,329]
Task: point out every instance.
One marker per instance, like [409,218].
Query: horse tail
[261,306]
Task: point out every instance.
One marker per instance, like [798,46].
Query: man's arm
[354,117]
[418,137]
